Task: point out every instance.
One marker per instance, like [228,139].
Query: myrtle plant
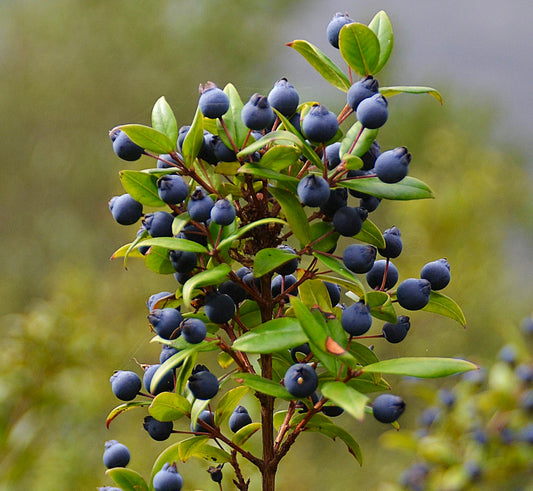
[247,206]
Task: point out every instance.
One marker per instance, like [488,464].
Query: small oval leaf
[359,47]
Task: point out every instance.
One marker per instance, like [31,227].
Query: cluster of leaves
[478,434]
[254,345]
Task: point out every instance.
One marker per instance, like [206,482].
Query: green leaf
[380,306]
[197,407]
[123,408]
[193,140]
[267,260]
[407,189]
[185,372]
[127,479]
[263,385]
[187,447]
[443,305]
[244,434]
[322,64]
[281,137]
[422,367]
[274,335]
[352,401]
[320,229]
[363,354]
[127,251]
[244,230]
[294,213]
[359,47]
[169,455]
[390,91]
[236,128]
[174,244]
[211,454]
[228,403]
[205,278]
[364,141]
[163,119]
[157,260]
[382,27]
[168,406]
[224,360]
[314,293]
[337,267]
[250,314]
[280,157]
[259,170]
[141,186]
[371,235]
[148,138]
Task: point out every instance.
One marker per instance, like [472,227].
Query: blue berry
[387,408]
[239,419]
[348,221]
[373,112]
[413,293]
[367,87]
[125,385]
[395,333]
[374,277]
[301,380]
[257,113]
[124,147]
[393,243]
[207,417]
[213,102]
[303,349]
[234,290]
[115,454]
[338,198]
[223,212]
[340,19]
[332,155]
[207,150]
[172,189]
[199,206]
[359,258]
[284,97]
[369,203]
[165,384]
[182,134]
[370,156]
[159,224]
[165,322]
[193,330]
[125,209]
[168,479]
[290,266]
[165,160]
[158,430]
[356,319]
[334,292]
[219,308]
[437,273]
[319,124]
[166,353]
[202,383]
[313,190]
[283,281]
[183,261]
[392,166]
[222,152]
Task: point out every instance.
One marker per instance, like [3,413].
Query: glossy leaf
[280,157]
[236,128]
[123,408]
[244,230]
[390,91]
[157,260]
[322,64]
[371,234]
[250,314]
[169,455]
[224,360]
[267,260]
[188,447]
[245,433]
[365,139]
[168,406]
[352,401]
[163,119]
[127,251]
[263,385]
[422,367]
[174,244]
[380,306]
[263,172]
[359,47]
[281,137]
[294,213]
[142,187]
[228,403]
[211,454]
[407,189]
[337,267]
[148,138]
[443,305]
[185,372]
[323,229]
[382,27]
[205,278]
[127,479]
[274,335]
[314,293]
[362,353]
[192,144]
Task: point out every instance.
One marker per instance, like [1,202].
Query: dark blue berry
[159,224]
[338,198]
[165,161]
[340,19]
[219,308]
[222,152]
[301,380]
[393,243]
[172,189]
[392,166]
[359,258]
[213,102]
[319,124]
[332,155]
[437,273]
[257,113]
[125,148]
[199,206]
[370,156]
[125,209]
[223,212]
[374,277]
[332,411]
[348,221]
[334,292]
[158,430]
[290,266]
[125,385]
[303,349]
[239,419]
[395,333]
[372,112]
[116,454]
[363,89]
[387,408]
[183,261]
[168,479]
[413,293]
[313,190]
[234,290]
[207,417]
[166,353]
[284,97]
[193,330]
[165,384]
[356,319]
[283,282]
[165,322]
[203,384]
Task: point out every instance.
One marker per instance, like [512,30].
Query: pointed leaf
[263,385]
[185,372]
[382,27]
[322,64]
[352,401]
[422,367]
[313,293]
[390,91]
[193,140]
[359,47]
[142,187]
[163,119]
[205,278]
[281,137]
[211,454]
[365,139]
[443,305]
[174,244]
[363,354]
[337,267]
[148,138]
[323,229]
[126,250]
[380,306]
[294,213]
[127,479]
[228,403]
[371,235]
[407,189]
[244,230]
[168,406]
[267,260]
[280,157]
[236,128]
[274,335]
[123,408]
[244,434]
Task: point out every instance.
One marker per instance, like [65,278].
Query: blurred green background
[72,70]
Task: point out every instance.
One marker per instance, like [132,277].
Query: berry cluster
[246,206]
